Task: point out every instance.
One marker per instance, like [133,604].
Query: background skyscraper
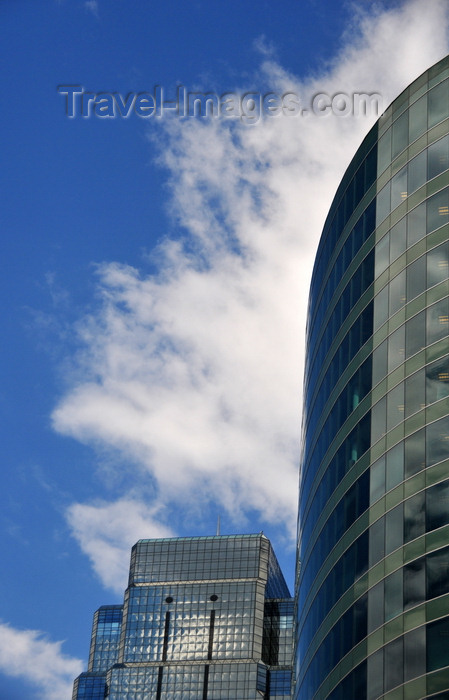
[206,618]
[373,590]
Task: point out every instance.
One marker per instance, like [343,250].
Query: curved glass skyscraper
[373,589]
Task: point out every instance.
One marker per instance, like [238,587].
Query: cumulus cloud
[193,374]
[29,655]
[106,531]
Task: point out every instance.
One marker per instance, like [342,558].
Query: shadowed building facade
[203,618]
[373,589]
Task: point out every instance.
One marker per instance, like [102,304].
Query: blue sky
[154,285]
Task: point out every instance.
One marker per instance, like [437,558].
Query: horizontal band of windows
[312,577]
[325,497]
[402,591]
[338,602]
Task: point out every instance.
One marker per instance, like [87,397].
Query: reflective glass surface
[374,496]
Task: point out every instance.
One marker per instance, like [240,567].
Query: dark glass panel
[375,675]
[416,278]
[415,334]
[438,644]
[414,516]
[394,529]
[394,664]
[437,441]
[437,573]
[414,583]
[415,453]
[437,380]
[437,506]
[415,653]
[394,593]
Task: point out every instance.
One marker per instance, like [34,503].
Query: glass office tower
[204,618]
[373,589]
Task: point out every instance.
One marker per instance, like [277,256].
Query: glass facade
[373,585]
[205,618]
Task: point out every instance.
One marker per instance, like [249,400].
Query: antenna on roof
[218,526]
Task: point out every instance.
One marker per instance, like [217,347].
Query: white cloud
[106,532]
[92,6]
[194,375]
[29,655]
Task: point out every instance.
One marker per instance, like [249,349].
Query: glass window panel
[437,264]
[415,333]
[438,157]
[394,664]
[383,203]
[380,366]
[399,136]
[438,210]
[437,638]
[376,541]
[416,224]
[399,188]
[414,516]
[438,106]
[384,151]
[398,239]
[395,407]
[396,348]
[417,172]
[377,479]
[395,466]
[382,255]
[414,583]
[378,419]
[397,294]
[415,653]
[437,380]
[415,393]
[415,453]
[375,675]
[393,595]
[394,529]
[416,278]
[375,606]
[437,321]
[418,118]
[437,506]
[437,572]
[381,308]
